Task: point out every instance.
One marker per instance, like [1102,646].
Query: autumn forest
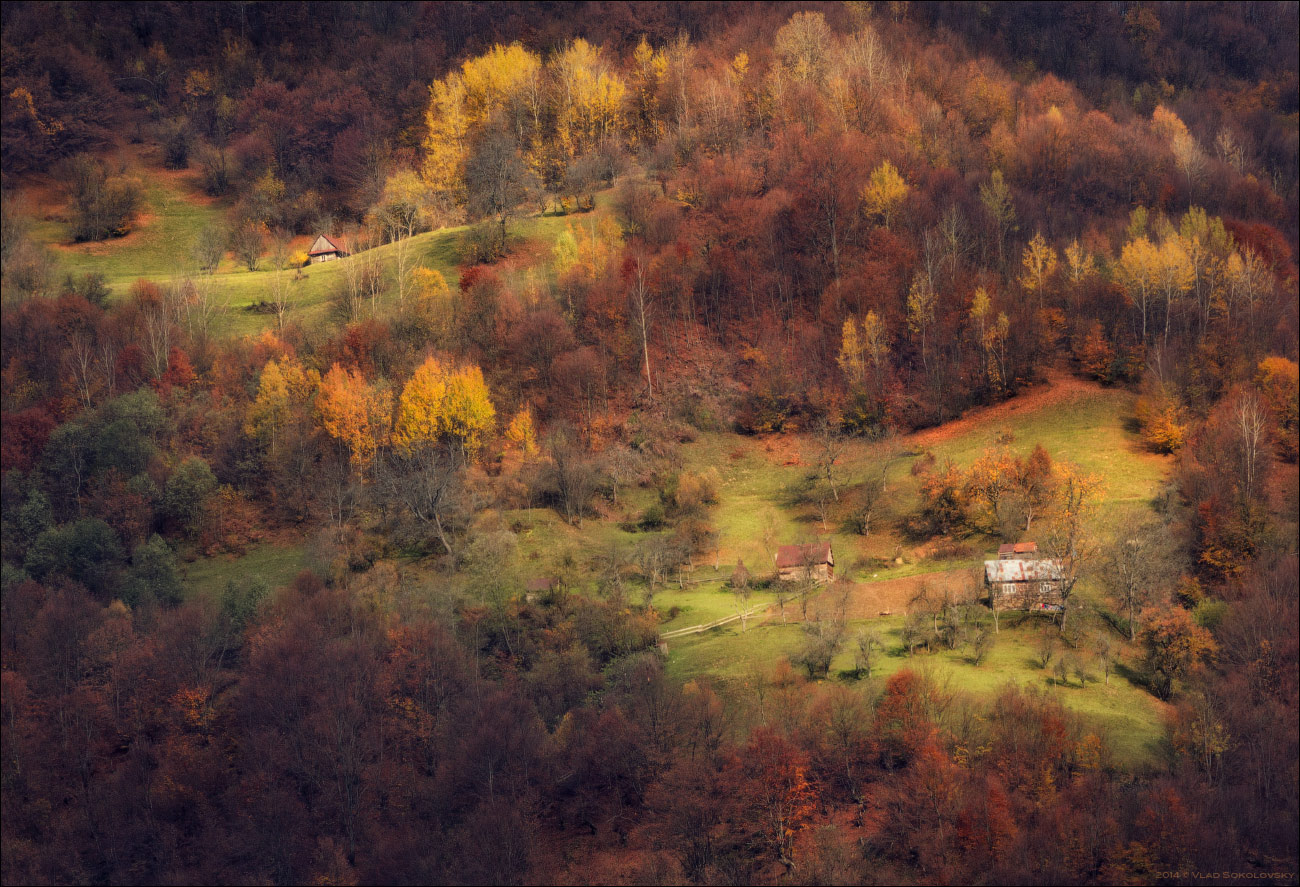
[650,443]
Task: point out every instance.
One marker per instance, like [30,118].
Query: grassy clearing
[706,602]
[1084,424]
[158,247]
[276,565]
[174,214]
[1080,423]
[1125,714]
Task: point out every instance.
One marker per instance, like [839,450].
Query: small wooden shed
[1017,550]
[814,560]
[324,250]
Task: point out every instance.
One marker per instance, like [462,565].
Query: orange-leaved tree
[355,412]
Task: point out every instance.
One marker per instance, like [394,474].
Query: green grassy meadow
[1126,715]
[174,213]
[275,565]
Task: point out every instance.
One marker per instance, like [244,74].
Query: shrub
[1162,423]
[152,578]
[101,206]
[86,551]
[187,492]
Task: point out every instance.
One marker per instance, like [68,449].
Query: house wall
[1029,592]
[324,257]
[819,573]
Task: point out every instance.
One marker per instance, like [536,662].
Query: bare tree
[247,241]
[1105,651]
[866,648]
[643,313]
[830,447]
[80,362]
[742,592]
[874,488]
[1133,568]
[352,277]
[1067,540]
[279,277]
[403,211]
[572,475]
[210,247]
[1249,423]
[426,481]
[497,181]
[823,639]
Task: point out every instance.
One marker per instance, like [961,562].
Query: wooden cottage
[325,250]
[1024,584]
[539,587]
[797,563]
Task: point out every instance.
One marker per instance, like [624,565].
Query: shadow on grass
[1132,675]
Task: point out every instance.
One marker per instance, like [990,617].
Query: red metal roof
[812,554]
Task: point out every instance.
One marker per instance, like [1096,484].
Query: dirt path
[1059,388]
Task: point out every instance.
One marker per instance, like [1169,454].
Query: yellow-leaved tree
[1079,261]
[284,389]
[522,433]
[921,302]
[863,345]
[649,68]
[439,404]
[470,413]
[883,192]
[588,99]
[1139,272]
[446,146]
[421,410]
[505,81]
[1175,274]
[1040,263]
[851,359]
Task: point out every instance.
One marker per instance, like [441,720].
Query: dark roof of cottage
[334,247]
[541,583]
[812,554]
[1018,548]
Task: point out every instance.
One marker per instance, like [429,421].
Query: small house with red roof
[814,561]
[1013,551]
[325,250]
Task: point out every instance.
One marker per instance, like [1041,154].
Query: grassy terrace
[174,214]
[275,565]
